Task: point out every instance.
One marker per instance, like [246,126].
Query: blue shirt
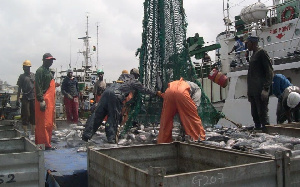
[280,83]
[239,46]
[70,86]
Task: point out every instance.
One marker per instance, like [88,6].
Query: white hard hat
[293,99]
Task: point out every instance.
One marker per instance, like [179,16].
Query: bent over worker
[111,104]
[44,102]
[26,85]
[290,105]
[280,83]
[69,89]
[181,97]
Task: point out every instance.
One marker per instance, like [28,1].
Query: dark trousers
[259,111]
[27,112]
[108,105]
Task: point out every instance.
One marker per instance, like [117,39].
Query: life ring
[289,8]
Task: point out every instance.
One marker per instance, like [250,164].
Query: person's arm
[234,47]
[19,91]
[267,65]
[95,89]
[64,87]
[138,86]
[289,115]
[38,86]
[231,50]
[77,88]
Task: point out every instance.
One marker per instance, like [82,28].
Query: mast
[86,53]
[226,18]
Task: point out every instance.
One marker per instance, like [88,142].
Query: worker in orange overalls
[44,102]
[181,97]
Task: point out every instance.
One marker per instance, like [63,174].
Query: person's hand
[18,103]
[43,106]
[158,93]
[264,95]
[69,96]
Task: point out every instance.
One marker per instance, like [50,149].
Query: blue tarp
[67,167]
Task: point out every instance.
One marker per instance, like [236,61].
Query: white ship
[278,29]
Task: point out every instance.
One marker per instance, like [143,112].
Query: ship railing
[290,49]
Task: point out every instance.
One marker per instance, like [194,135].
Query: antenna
[70,51]
[97,46]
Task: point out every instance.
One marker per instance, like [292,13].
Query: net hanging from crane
[163,58]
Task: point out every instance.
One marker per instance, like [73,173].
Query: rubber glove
[264,95]
[43,106]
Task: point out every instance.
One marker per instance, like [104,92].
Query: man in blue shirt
[237,47]
[280,83]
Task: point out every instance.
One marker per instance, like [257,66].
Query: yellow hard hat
[124,71]
[27,63]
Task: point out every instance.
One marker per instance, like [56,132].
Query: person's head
[135,72]
[26,66]
[125,71]
[100,73]
[252,43]
[70,73]
[236,38]
[48,60]
[293,99]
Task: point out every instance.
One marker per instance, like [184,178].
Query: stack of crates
[22,162]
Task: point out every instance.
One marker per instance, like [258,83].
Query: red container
[218,78]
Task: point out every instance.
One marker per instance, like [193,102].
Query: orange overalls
[125,109]
[177,99]
[44,119]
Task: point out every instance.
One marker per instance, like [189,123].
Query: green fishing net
[164,57]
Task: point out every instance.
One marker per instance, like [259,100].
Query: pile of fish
[252,141]
[228,138]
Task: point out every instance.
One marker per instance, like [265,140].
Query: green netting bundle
[164,57]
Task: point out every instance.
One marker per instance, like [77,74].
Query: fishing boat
[278,29]
[85,74]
